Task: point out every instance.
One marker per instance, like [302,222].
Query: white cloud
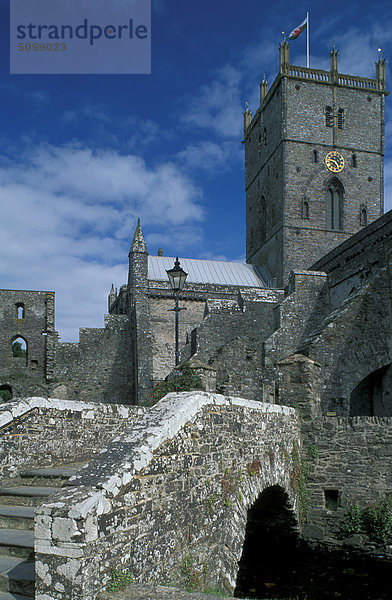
[211,156]
[68,218]
[218,106]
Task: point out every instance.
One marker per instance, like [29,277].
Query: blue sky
[82,156]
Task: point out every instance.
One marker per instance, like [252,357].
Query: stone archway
[372,396]
[269,549]
[6,393]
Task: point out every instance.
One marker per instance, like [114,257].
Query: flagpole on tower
[307,40]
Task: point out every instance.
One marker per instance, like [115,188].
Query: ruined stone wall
[305,304]
[349,463]
[226,321]
[27,315]
[345,461]
[100,368]
[175,489]
[39,432]
[353,341]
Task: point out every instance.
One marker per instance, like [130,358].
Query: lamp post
[177,278]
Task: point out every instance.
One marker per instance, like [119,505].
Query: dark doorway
[5,393]
[270,545]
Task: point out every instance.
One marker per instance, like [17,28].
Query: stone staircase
[18,498]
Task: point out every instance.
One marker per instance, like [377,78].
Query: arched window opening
[270,546]
[363,216]
[265,136]
[305,208]
[5,393]
[334,205]
[372,396]
[340,118]
[328,116]
[19,349]
[20,310]
[354,161]
[315,156]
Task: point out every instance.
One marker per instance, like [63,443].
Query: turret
[263,90]
[333,57]
[380,72]
[247,119]
[138,262]
[284,58]
[112,297]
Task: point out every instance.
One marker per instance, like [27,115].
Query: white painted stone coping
[128,454]
[18,408]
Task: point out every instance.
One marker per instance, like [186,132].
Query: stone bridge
[167,499]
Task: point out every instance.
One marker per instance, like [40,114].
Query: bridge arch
[271,540]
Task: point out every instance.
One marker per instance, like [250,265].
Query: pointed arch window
[19,349]
[334,205]
[315,156]
[305,208]
[20,310]
[363,215]
[354,161]
[328,116]
[340,118]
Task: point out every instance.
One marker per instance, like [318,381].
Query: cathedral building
[316,280]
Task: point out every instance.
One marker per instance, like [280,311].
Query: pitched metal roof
[209,271]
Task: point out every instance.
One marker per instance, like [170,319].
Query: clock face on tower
[334,162]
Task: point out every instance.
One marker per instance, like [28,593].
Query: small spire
[138,242]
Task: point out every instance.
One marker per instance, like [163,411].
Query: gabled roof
[209,271]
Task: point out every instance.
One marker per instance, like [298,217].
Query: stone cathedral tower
[313,163]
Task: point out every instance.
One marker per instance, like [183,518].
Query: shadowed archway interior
[269,550]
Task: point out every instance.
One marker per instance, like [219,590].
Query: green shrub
[119,580]
[185,383]
[375,520]
[352,520]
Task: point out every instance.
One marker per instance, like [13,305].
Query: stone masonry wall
[354,341]
[39,432]
[100,367]
[26,375]
[345,461]
[349,460]
[175,489]
[305,304]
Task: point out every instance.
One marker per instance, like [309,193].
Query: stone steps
[18,499]
[25,495]
[17,576]
[16,517]
[10,596]
[17,542]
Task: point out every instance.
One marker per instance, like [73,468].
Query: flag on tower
[298,30]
